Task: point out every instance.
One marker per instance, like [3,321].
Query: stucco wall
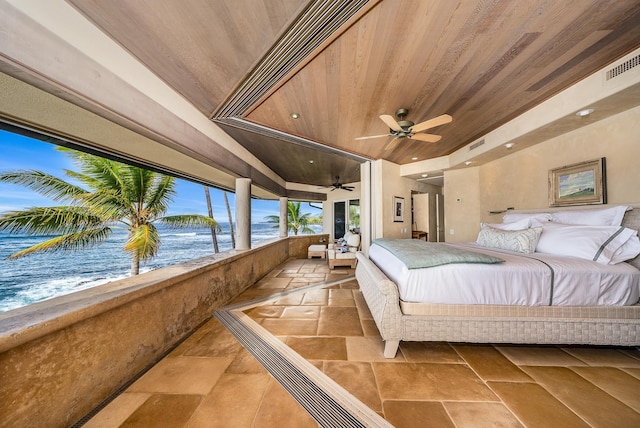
[520,180]
[62,357]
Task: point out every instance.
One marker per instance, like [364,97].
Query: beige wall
[520,180]
[60,358]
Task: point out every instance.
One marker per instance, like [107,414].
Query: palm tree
[296,222]
[116,196]
[233,236]
[214,229]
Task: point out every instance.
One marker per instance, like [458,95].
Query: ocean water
[42,276]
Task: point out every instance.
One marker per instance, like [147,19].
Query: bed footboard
[383,299]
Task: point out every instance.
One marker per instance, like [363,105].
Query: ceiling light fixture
[508,145]
[467,163]
[294,115]
[311,161]
[585,112]
[425,175]
[414,158]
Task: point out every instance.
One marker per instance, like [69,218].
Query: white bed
[591,303]
[523,279]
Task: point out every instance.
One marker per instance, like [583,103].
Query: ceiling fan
[338,185]
[407,129]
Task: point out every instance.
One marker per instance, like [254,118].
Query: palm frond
[144,241]
[49,220]
[189,220]
[69,242]
[45,184]
[159,197]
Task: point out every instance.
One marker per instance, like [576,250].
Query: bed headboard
[631,218]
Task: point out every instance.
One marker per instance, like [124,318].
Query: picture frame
[398,209]
[582,183]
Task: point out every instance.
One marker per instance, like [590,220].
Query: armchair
[344,253]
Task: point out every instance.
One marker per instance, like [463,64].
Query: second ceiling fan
[407,129]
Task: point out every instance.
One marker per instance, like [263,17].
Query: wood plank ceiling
[341,64]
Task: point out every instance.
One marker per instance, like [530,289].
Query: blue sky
[20,152]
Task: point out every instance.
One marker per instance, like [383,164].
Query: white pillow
[629,250]
[596,217]
[598,243]
[524,223]
[521,241]
[512,218]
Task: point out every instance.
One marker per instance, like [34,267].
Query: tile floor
[210,380]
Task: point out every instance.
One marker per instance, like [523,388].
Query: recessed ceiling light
[425,175]
[294,115]
[414,158]
[467,163]
[508,145]
[585,112]
[311,161]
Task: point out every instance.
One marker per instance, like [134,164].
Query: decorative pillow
[596,217]
[512,218]
[524,223]
[521,241]
[597,243]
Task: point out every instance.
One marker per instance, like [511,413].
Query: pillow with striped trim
[597,243]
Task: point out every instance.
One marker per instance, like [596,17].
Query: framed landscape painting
[578,184]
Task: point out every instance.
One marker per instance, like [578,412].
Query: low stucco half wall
[62,357]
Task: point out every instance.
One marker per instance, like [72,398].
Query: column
[284,217]
[243,213]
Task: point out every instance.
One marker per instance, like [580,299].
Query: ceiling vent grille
[623,68]
[476,144]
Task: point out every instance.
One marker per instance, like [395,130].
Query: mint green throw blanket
[417,254]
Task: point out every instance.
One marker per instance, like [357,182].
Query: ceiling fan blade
[392,143]
[390,122]
[429,138]
[372,136]
[431,123]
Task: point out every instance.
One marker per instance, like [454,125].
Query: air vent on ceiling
[622,68]
[476,144]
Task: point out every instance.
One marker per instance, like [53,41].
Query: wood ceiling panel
[482,62]
[202,48]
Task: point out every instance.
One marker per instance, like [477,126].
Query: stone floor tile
[245,363]
[370,348]
[163,411]
[490,364]
[316,297]
[301,312]
[218,342]
[116,412]
[274,283]
[442,382]
[591,403]
[290,299]
[233,402]
[467,414]
[361,304]
[370,328]
[290,327]
[429,352]
[279,410]
[319,348]
[615,382]
[530,355]
[633,372]
[595,356]
[358,379]
[182,375]
[411,414]
[266,311]
[339,321]
[534,406]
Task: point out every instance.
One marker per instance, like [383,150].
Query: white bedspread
[530,280]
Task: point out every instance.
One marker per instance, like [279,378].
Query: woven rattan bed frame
[396,320]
